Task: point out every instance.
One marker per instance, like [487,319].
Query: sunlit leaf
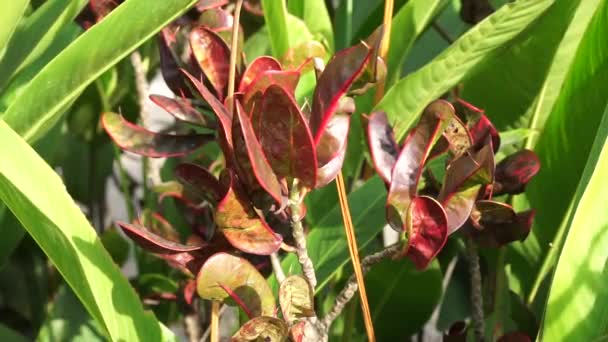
[296,299]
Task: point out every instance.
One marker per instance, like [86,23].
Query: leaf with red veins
[235,297]
[286,79]
[410,163]
[426,229]
[223,270]
[283,134]
[478,124]
[169,65]
[383,148]
[256,68]
[155,243]
[241,225]
[262,329]
[464,177]
[333,83]
[221,112]
[213,57]
[139,140]
[181,108]
[514,172]
[331,149]
[253,169]
[497,224]
[203,5]
[199,184]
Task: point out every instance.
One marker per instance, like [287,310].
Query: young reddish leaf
[221,112]
[181,109]
[138,140]
[296,299]
[333,83]
[253,167]
[463,180]
[187,262]
[483,128]
[241,225]
[223,270]
[213,56]
[284,136]
[515,171]
[155,243]
[331,149]
[409,166]
[497,224]
[286,79]
[256,68]
[383,148]
[189,291]
[262,329]
[200,185]
[169,66]
[426,229]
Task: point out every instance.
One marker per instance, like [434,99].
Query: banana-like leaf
[315,16]
[65,77]
[37,197]
[405,101]
[10,17]
[275,15]
[577,298]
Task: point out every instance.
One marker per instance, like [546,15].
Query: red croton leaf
[331,149]
[383,148]
[464,177]
[253,167]
[515,171]
[284,136]
[138,140]
[181,108]
[255,68]
[240,224]
[213,56]
[200,185]
[169,66]
[478,124]
[496,224]
[264,328]
[189,291]
[426,229]
[203,5]
[286,79]
[333,83]
[155,243]
[410,164]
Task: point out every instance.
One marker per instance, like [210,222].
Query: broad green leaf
[275,15]
[11,15]
[66,76]
[517,87]
[407,98]
[34,35]
[8,334]
[578,299]
[563,149]
[315,15]
[326,242]
[411,20]
[37,197]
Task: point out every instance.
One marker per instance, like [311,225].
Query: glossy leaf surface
[213,57]
[426,229]
[286,79]
[181,109]
[331,149]
[200,184]
[515,171]
[383,148]
[255,68]
[498,224]
[154,242]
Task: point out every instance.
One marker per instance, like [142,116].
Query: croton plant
[441,180]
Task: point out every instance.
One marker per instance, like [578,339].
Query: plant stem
[215,321]
[351,285]
[276,267]
[233,55]
[476,295]
[295,200]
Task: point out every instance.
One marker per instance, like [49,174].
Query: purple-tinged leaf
[200,185]
[213,56]
[333,83]
[286,79]
[496,224]
[410,163]
[426,229]
[153,242]
[256,68]
[223,270]
[331,149]
[383,148]
[181,108]
[138,140]
[481,129]
[515,171]
[169,65]
[158,225]
[296,299]
[241,225]
[262,329]
[253,167]
[284,136]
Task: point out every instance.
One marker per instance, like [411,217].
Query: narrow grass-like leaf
[10,17]
[275,15]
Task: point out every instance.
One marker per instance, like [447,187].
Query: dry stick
[215,321]
[295,201]
[476,295]
[351,286]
